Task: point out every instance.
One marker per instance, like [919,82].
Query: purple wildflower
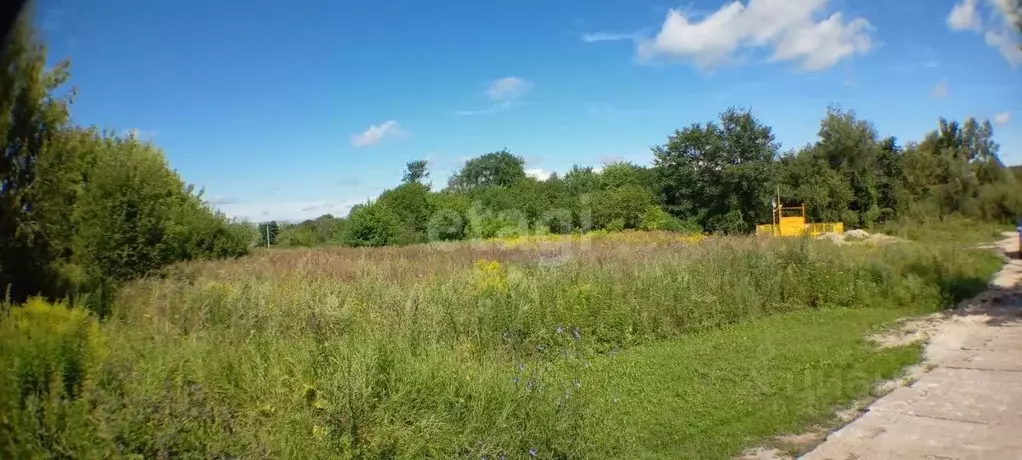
[560,329]
[532,452]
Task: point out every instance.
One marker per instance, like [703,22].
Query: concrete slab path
[969,405]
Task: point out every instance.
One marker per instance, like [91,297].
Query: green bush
[375,225]
[47,356]
[655,218]
[410,202]
[626,204]
[615,225]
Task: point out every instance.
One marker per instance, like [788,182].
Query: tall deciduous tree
[410,202]
[722,175]
[497,169]
[31,117]
[268,232]
[132,215]
[415,171]
[851,147]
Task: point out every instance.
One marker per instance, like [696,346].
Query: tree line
[717,177]
[82,209]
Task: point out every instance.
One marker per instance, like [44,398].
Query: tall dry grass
[476,350]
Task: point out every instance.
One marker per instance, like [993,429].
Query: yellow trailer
[791,221]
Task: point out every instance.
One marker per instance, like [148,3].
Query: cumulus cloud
[939,90]
[376,133]
[505,93]
[997,29]
[1002,118]
[508,88]
[1006,43]
[792,30]
[964,16]
[538,174]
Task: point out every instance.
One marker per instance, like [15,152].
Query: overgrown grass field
[629,345]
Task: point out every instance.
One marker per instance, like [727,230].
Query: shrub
[615,225]
[374,225]
[655,218]
[626,203]
[47,353]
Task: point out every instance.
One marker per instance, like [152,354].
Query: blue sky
[289,110]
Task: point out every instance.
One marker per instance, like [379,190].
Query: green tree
[127,215]
[622,173]
[374,225]
[955,169]
[625,204]
[892,198]
[448,219]
[497,169]
[721,175]
[298,235]
[1018,17]
[850,147]
[655,218]
[410,202]
[415,171]
[581,180]
[31,118]
[268,232]
[806,178]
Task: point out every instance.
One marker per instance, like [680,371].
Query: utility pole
[267,235]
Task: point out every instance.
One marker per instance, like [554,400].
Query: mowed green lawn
[710,395]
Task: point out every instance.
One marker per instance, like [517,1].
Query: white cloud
[998,30]
[790,29]
[940,89]
[1002,118]
[505,92]
[964,16]
[508,88]
[607,37]
[538,174]
[1006,45]
[376,133]
[289,211]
